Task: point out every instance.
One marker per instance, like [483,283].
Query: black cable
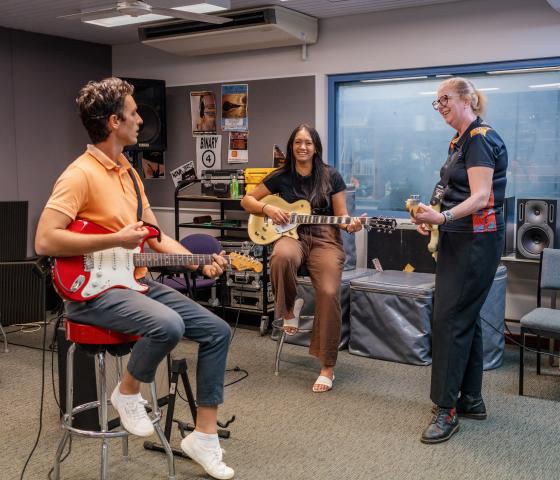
[512,340]
[41,405]
[237,369]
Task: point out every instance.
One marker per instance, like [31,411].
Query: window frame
[336,80]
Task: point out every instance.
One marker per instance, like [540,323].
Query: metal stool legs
[279,345]
[104,434]
[279,325]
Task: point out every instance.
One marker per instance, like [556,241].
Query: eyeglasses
[442,101]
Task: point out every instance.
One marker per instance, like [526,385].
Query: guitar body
[263,231]
[412,206]
[84,277]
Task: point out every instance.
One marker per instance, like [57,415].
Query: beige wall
[471,31]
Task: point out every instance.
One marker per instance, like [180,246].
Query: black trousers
[465,270]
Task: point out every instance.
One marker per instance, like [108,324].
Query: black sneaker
[471,406]
[443,425]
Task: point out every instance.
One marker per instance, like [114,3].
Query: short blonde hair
[467,91]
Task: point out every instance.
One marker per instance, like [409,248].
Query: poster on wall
[234,107]
[238,147]
[208,152]
[184,174]
[153,165]
[278,157]
[203,113]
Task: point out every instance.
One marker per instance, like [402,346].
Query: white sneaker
[132,412]
[209,459]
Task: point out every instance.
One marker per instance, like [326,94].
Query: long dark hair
[320,177]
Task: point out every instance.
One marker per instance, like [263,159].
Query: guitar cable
[41,405]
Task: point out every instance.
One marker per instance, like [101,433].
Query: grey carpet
[367,427]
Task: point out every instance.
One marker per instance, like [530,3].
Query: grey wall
[40,132]
[275,108]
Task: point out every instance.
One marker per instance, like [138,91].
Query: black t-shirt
[299,187]
[479,146]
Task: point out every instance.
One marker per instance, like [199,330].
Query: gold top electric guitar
[412,206]
[263,231]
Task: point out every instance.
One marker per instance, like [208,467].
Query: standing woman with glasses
[471,240]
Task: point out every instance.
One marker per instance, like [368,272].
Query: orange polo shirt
[95,188]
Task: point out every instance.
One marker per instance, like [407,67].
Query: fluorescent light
[427,93]
[524,70]
[206,7]
[444,75]
[126,20]
[488,89]
[545,85]
[396,79]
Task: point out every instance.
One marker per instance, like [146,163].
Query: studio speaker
[13,231]
[150,98]
[537,226]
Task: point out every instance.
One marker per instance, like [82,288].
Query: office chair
[185,280]
[542,322]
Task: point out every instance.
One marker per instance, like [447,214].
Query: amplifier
[239,246]
[23,291]
[249,280]
[216,183]
[251,300]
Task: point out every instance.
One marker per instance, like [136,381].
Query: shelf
[512,258]
[214,226]
[207,198]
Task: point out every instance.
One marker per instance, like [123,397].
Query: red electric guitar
[84,277]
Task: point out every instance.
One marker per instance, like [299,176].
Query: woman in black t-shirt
[470,246]
[319,247]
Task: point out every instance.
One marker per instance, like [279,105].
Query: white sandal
[293,323]
[322,380]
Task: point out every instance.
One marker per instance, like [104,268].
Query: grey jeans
[161,317]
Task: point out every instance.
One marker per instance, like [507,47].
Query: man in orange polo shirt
[98,187]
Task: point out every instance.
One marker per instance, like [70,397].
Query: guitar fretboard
[322,219]
[172,259]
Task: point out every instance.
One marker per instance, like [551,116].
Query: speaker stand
[179,368]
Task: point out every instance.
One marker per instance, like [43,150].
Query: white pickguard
[286,227]
[111,268]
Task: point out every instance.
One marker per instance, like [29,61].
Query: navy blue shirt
[299,187]
[479,146]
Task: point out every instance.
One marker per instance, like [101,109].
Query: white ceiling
[40,16]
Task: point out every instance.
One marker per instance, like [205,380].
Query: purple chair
[186,281]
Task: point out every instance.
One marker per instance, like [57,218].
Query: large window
[387,140]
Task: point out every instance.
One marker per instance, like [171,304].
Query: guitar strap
[138,197]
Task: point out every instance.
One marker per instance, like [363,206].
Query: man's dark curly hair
[97,101]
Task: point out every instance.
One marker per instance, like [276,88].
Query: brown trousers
[320,249]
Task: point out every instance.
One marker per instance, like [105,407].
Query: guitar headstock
[245,262]
[411,204]
[381,224]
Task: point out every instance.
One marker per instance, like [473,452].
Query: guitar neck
[172,259]
[325,219]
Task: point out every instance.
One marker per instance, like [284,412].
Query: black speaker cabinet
[510,224]
[22,292]
[402,247]
[13,231]
[150,98]
[538,226]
